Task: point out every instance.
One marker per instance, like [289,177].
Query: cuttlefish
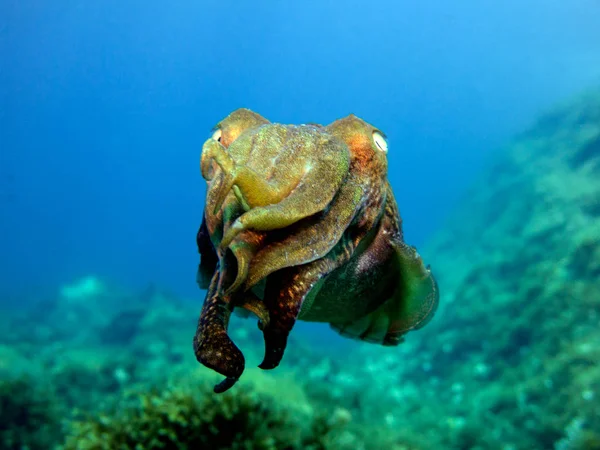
[301,223]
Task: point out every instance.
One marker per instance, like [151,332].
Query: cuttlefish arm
[286,293]
[212,346]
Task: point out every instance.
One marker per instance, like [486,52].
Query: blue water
[105,105]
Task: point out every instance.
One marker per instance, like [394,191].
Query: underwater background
[492,111]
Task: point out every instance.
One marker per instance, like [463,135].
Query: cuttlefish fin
[410,305]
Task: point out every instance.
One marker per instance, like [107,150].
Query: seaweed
[176,419]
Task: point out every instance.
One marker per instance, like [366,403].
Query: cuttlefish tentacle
[212,346]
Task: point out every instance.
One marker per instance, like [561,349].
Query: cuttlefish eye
[380,141]
[217,135]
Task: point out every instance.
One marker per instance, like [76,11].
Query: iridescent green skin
[301,223]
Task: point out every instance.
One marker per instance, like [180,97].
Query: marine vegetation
[185,418]
[29,417]
[301,223]
[176,419]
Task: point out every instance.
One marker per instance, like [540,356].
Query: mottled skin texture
[301,223]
